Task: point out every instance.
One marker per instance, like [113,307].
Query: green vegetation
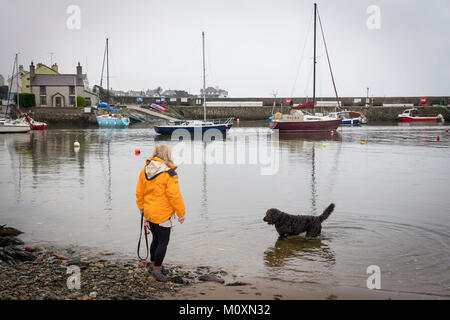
[3,92]
[81,101]
[26,100]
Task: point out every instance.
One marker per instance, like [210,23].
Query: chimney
[55,67]
[32,70]
[79,73]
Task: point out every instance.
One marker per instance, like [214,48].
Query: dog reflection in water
[298,252]
[292,225]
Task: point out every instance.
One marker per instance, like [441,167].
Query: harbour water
[390,184]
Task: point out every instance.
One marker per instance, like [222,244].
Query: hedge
[81,101]
[26,100]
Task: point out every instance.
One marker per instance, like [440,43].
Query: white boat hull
[13,126]
[14,129]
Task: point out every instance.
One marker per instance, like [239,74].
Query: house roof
[55,80]
[40,65]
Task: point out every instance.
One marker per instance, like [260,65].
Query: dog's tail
[326,213]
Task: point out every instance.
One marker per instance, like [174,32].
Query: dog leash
[146,229]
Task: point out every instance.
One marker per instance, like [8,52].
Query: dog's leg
[314,231]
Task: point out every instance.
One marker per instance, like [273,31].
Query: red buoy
[438,138]
[137,152]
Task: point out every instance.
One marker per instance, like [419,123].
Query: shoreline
[43,272]
[277,290]
[76,115]
[75,273]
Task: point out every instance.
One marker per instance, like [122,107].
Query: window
[42,95]
[72,100]
[72,90]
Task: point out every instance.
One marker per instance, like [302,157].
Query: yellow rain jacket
[158,192]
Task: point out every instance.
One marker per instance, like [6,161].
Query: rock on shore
[28,272]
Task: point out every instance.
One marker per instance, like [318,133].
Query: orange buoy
[438,138]
[137,152]
[363,142]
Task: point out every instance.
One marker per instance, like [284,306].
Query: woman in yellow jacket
[158,197]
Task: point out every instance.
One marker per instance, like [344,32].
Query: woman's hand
[181,220]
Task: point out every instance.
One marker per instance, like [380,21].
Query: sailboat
[193,126]
[298,121]
[112,117]
[8,125]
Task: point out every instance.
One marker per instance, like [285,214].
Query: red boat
[35,125]
[410,115]
[307,124]
[297,121]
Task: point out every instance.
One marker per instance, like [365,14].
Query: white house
[59,90]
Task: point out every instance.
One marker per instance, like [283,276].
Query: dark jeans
[158,248]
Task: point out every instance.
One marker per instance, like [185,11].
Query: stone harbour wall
[263,113]
[60,115]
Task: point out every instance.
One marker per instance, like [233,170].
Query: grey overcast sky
[253,47]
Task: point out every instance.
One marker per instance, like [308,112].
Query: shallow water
[391,195]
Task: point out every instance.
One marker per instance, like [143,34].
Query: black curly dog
[291,225]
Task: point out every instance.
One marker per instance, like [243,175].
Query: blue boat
[113,120]
[352,122]
[113,117]
[350,118]
[194,126]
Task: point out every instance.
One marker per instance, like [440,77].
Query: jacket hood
[156,166]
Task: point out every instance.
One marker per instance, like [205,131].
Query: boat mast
[107,71]
[10,84]
[18,78]
[204,80]
[103,69]
[314,59]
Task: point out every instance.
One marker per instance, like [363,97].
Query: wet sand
[277,290]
